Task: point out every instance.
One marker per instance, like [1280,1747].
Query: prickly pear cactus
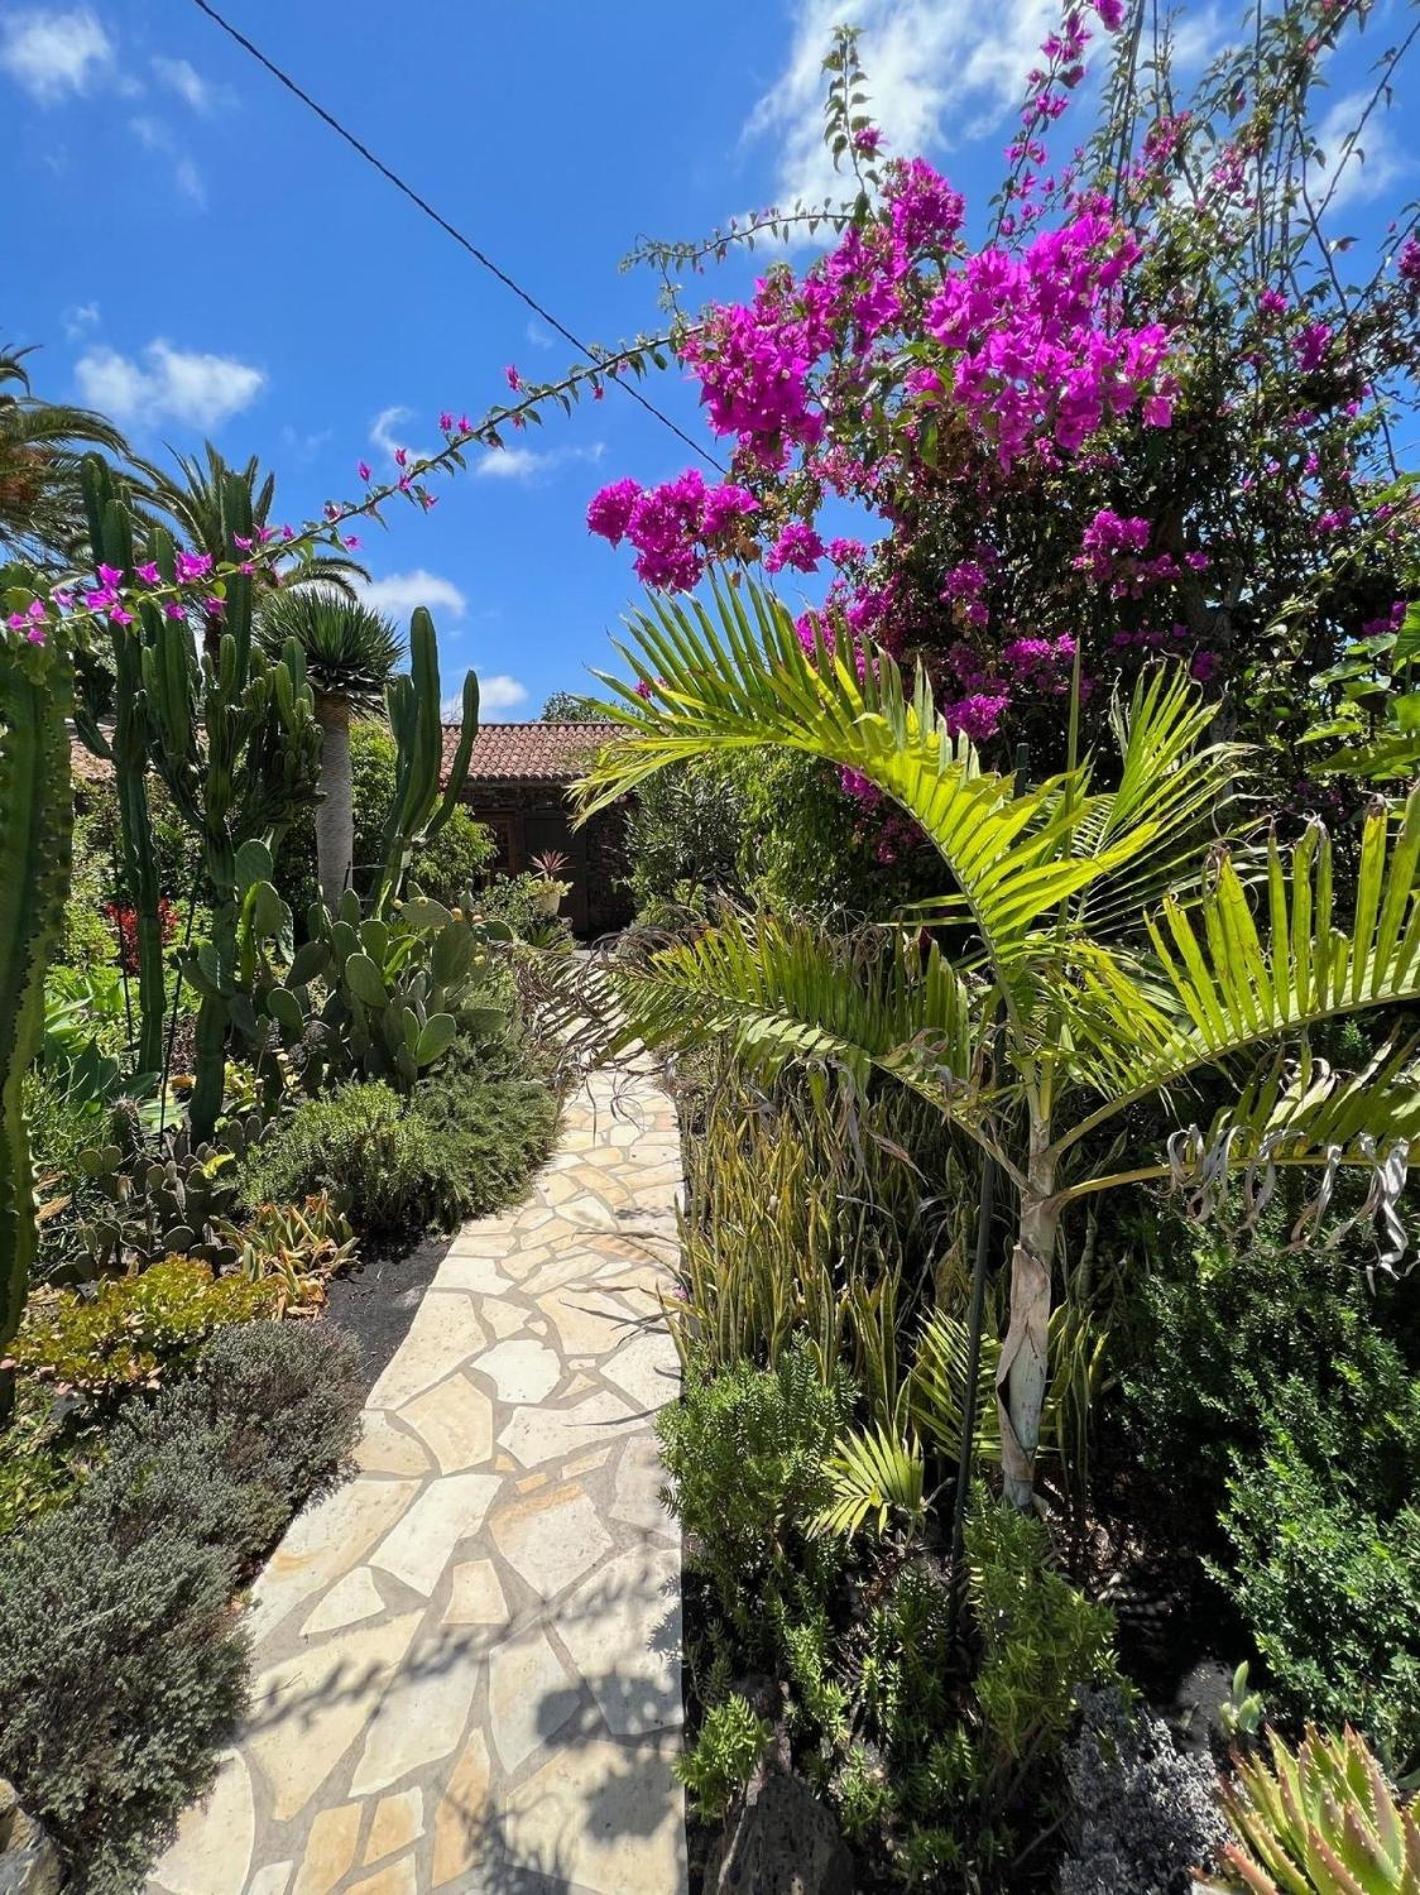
[36,826]
[175,1197]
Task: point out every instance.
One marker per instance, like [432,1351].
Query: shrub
[720,1762]
[460,1147]
[132,1330]
[1141,1814]
[122,1669]
[745,1455]
[1331,1592]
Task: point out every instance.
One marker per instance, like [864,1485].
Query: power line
[451,230]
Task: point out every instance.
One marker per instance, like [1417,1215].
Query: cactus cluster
[383,996]
[36,833]
[420,807]
[172,1199]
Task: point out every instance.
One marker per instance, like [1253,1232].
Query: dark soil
[375,1302]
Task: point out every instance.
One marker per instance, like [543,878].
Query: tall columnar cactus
[36,822]
[111,539]
[236,741]
[417,811]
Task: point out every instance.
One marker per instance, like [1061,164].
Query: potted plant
[548,889]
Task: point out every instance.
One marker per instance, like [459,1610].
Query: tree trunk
[1023,1374]
[335,812]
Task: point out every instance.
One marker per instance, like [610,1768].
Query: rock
[785,1842]
[29,1861]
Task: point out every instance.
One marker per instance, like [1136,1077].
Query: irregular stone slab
[418,1547]
[385,1449]
[330,1849]
[461,1819]
[398,1879]
[456,1420]
[521,1371]
[475,1271]
[504,1319]
[398,1822]
[212,1853]
[307,1712]
[551,1538]
[272,1880]
[530,1697]
[476,1595]
[587,1320]
[611,1818]
[623,1631]
[640,1477]
[444,1334]
[648,1369]
[320,1545]
[544,1434]
[351,1599]
[422,1714]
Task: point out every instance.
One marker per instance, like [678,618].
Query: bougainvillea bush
[1144,401]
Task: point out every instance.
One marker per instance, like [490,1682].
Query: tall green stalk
[36,830]
[417,811]
[111,538]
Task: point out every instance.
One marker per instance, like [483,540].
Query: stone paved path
[467,1660]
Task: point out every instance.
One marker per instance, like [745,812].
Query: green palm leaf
[872,1476]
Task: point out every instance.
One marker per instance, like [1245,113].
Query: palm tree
[193,498]
[1104,950]
[351,652]
[42,447]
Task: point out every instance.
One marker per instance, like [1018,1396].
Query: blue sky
[200,256]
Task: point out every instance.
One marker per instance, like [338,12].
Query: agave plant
[1320,1821]
[1103,951]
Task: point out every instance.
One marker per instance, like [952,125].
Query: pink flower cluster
[1037,356]
[674,527]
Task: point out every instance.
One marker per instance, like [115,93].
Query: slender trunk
[1023,1375]
[335,812]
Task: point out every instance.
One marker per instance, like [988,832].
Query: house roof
[529,753]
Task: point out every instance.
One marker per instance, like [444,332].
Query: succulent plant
[418,810]
[172,1198]
[1318,1821]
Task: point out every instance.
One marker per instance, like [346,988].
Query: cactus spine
[36,829]
[417,811]
[111,538]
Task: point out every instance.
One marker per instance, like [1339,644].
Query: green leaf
[435,1038]
[253,863]
[363,979]
[311,960]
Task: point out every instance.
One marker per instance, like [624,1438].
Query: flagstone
[444,1334]
[611,1818]
[212,1852]
[455,1420]
[461,1817]
[400,1878]
[386,1449]
[307,1712]
[552,1538]
[544,1434]
[320,1545]
[504,1319]
[417,1549]
[640,1477]
[476,1274]
[351,1599]
[531,1695]
[422,1715]
[398,1822]
[330,1849]
[622,1630]
[521,1371]
[476,1595]
[647,1369]
[274,1879]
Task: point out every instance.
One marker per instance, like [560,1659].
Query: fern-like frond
[937,1389]
[743,679]
[873,1476]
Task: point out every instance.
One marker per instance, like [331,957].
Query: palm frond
[743,679]
[873,1476]
[938,1384]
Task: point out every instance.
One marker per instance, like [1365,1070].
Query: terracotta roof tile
[529,753]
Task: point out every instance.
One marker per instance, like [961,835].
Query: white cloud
[501,693]
[525,463]
[399,592]
[938,71]
[1363,172]
[51,54]
[384,435]
[168,384]
[537,335]
[179,76]
[80,319]
[155,136]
